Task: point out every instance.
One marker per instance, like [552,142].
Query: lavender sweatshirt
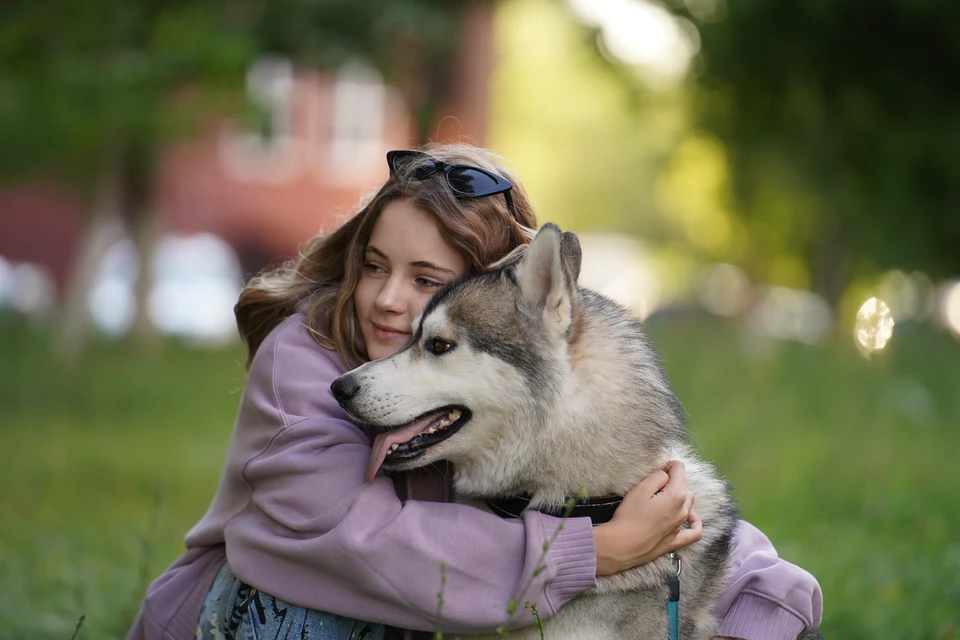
[296,519]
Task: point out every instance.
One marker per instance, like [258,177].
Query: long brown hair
[326,272]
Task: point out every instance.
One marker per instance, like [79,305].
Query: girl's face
[405,262]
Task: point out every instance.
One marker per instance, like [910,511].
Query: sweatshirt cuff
[573,558]
[754,617]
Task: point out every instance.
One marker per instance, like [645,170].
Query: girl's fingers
[654,483]
[683,513]
[677,485]
[688,536]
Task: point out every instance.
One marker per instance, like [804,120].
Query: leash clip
[673,555]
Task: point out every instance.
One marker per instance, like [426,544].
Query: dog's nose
[344,388]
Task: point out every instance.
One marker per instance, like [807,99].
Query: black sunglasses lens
[399,159]
[473,182]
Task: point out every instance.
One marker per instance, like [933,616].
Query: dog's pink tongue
[383,442]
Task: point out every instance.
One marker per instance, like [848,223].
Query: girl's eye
[428,284]
[373,268]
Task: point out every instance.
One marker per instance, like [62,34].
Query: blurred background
[771,186]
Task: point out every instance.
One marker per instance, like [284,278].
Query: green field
[850,466]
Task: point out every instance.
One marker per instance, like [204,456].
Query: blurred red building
[267,196]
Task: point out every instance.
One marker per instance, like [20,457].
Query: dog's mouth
[410,441]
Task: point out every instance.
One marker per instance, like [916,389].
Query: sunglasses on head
[466,181]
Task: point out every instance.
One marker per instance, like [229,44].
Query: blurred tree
[89,93]
[93,91]
[412,42]
[840,121]
[585,135]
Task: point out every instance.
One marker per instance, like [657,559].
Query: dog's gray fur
[565,392]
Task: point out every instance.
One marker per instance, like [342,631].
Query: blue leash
[673,601]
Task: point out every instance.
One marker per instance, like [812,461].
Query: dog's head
[484,364]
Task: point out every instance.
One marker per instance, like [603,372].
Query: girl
[297,543]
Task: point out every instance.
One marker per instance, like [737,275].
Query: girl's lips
[388,334]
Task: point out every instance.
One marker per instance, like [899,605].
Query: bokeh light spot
[874,325]
[724,290]
[950,307]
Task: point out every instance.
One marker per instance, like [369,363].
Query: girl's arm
[301,523]
[767,598]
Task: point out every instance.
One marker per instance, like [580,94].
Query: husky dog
[533,386]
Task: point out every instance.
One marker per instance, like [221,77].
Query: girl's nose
[390,297]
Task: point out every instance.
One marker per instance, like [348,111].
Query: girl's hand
[649,522]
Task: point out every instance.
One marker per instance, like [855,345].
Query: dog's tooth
[443,423]
[433,429]
[394,447]
[454,415]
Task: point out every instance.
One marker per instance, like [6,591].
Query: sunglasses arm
[509,199]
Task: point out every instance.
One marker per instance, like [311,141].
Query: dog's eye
[438,346]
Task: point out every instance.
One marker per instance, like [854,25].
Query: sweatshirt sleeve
[316,534]
[767,598]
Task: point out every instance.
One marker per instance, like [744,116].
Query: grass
[849,465]
[104,467]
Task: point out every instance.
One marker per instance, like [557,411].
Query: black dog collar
[599,510]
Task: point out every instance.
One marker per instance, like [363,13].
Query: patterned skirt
[236,611]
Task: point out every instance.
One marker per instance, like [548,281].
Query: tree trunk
[831,268]
[103,228]
[145,231]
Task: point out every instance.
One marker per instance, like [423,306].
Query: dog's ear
[571,256]
[543,278]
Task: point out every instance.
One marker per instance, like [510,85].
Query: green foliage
[437,633]
[598,151]
[586,143]
[77,628]
[532,607]
[850,110]
[848,465]
[80,79]
[812,144]
[412,42]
